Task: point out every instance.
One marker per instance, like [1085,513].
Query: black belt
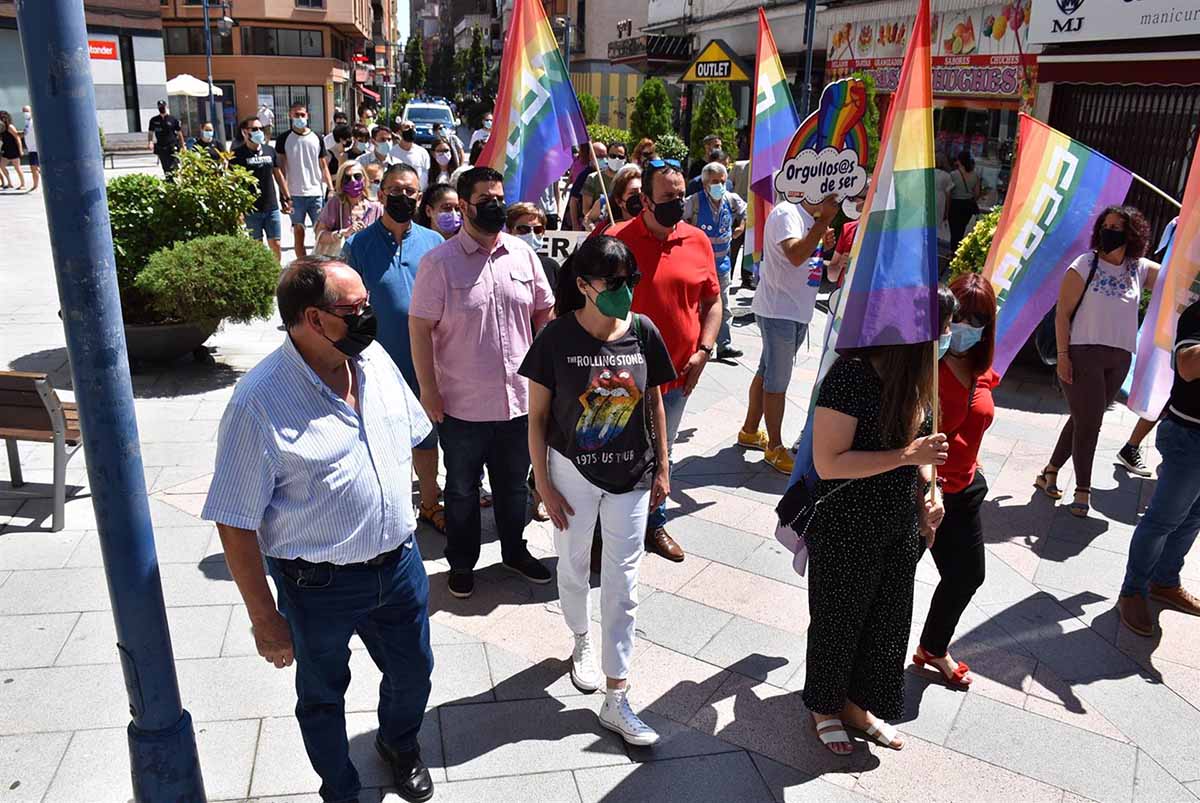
[381,559]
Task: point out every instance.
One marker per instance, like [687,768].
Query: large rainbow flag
[1057,189]
[890,292]
[537,116]
[775,122]
[1151,375]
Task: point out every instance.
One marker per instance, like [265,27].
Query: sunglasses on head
[615,282]
[658,164]
[525,228]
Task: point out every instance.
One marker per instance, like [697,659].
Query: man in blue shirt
[313,473]
[386,255]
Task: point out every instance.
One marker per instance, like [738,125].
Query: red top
[677,274]
[846,240]
[964,420]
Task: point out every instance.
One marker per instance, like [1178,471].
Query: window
[129,82]
[284,96]
[282,42]
[310,3]
[189,41]
[337,48]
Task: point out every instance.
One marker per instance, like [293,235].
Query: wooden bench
[134,144]
[30,410]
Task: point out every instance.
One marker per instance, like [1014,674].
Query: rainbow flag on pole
[1057,189]
[537,116]
[890,293]
[774,124]
[1148,384]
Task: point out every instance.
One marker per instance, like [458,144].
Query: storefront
[984,74]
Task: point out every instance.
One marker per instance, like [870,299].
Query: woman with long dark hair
[445,162]
[10,151]
[594,402]
[439,210]
[872,452]
[1096,324]
[965,189]
[965,382]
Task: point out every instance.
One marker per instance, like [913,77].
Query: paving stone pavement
[1067,707]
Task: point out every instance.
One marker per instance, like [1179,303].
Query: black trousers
[959,555]
[169,161]
[958,216]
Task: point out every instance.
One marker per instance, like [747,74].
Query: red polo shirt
[677,273]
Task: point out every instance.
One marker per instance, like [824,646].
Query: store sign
[1090,20]
[558,245]
[102,50]
[717,62]
[979,52]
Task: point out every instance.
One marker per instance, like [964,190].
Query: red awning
[367,92]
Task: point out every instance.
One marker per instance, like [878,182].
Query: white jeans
[623,527]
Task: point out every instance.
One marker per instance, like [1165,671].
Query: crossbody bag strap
[1091,275]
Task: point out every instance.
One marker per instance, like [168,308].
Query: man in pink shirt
[476,302]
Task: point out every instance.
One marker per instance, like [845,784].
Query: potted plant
[170,310]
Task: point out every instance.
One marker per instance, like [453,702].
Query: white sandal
[885,734]
[831,732]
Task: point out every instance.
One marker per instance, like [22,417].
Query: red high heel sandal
[956,679]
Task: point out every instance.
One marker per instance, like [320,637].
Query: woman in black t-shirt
[594,404]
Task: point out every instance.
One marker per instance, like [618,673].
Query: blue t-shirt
[388,270]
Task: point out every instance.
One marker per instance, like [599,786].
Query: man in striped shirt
[313,472]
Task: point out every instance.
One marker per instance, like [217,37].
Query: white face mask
[534,241]
[383,148]
[206,135]
[615,163]
[487,124]
[373,190]
[442,158]
[28,116]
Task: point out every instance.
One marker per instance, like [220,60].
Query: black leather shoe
[461,584]
[409,772]
[530,568]
[728,353]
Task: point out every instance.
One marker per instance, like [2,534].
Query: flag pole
[603,190]
[1155,190]
[936,410]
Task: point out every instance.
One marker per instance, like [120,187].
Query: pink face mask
[353,187]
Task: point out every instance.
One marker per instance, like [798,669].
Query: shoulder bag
[1045,338]
[332,246]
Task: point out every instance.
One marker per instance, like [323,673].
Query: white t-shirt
[416,156]
[784,290]
[1107,314]
[305,154]
[372,158]
[480,135]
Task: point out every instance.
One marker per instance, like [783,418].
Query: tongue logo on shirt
[608,404]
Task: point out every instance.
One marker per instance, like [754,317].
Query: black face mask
[408,135]
[668,213]
[633,205]
[490,216]
[360,332]
[1111,240]
[400,207]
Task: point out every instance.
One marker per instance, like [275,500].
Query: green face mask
[615,303]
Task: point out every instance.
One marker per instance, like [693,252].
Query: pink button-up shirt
[482,305]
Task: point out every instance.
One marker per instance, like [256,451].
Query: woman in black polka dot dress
[871,428]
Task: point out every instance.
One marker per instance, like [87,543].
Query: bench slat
[35,435]
[27,418]
[20,398]
[19,380]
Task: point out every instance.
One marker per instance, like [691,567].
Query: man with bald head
[313,465]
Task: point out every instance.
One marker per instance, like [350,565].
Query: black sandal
[1045,481]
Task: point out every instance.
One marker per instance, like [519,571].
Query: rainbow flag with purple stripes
[774,124]
[537,116]
[890,293]
[1057,189]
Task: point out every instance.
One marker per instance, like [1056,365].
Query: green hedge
[222,276]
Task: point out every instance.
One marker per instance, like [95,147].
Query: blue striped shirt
[314,478]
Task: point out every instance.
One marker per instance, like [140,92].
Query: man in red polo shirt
[679,291]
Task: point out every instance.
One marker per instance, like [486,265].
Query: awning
[367,92]
[190,86]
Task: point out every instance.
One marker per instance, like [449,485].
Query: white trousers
[623,528]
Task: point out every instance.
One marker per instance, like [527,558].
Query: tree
[871,118]
[444,78]
[590,107]
[651,116]
[715,116]
[476,61]
[414,57]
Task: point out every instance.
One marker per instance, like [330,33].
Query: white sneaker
[584,672]
[616,715]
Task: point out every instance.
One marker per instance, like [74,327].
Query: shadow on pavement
[185,377]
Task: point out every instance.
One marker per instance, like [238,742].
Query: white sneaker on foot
[616,715]
[584,672]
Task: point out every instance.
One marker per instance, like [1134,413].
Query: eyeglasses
[525,228]
[353,176]
[406,191]
[346,310]
[615,282]
[658,164]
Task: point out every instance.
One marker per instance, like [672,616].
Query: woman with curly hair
[1096,325]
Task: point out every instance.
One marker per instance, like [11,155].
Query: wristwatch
[706,349]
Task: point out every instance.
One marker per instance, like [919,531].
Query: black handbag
[798,506]
[1045,338]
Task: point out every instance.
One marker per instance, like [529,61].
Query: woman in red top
[965,382]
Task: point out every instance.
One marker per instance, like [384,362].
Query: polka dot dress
[863,546]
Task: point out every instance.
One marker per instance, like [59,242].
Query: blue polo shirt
[388,270]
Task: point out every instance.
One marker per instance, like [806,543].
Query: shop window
[988,134]
[258,41]
[310,4]
[313,97]
[189,41]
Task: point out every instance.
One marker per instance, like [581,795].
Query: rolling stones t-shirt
[598,415]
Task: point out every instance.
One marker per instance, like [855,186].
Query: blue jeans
[307,206]
[263,223]
[467,446]
[674,403]
[1167,530]
[387,606]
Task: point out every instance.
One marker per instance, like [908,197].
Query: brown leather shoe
[1177,598]
[663,545]
[1135,614]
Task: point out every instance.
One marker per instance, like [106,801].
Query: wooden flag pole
[936,410]
[1156,190]
[603,189]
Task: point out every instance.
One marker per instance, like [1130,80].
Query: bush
[223,276]
[651,115]
[670,146]
[590,107]
[597,132]
[973,250]
[715,116]
[135,202]
[871,118]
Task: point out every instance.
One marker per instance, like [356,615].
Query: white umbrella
[191,86]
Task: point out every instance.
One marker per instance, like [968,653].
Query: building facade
[125,49]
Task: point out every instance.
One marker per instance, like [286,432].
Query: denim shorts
[260,223]
[781,340]
[306,205]
[431,440]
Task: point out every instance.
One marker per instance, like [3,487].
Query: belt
[382,559]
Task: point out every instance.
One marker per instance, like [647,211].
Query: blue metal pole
[810,21]
[212,107]
[162,746]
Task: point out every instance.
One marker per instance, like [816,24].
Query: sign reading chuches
[829,153]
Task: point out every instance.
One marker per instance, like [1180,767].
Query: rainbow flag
[537,116]
[774,124]
[1148,384]
[890,292]
[1058,187]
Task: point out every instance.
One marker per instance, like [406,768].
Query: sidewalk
[1067,706]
